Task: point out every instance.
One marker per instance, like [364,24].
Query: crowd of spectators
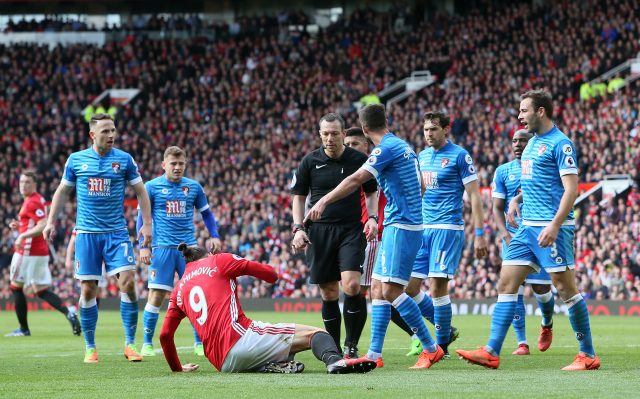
[245,107]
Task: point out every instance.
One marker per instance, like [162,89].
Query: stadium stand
[246,106]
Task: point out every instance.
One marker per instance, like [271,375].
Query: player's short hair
[332,117]
[440,117]
[30,173]
[373,116]
[355,132]
[95,118]
[192,254]
[540,98]
[175,151]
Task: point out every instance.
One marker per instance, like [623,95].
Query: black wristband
[374,218]
[296,227]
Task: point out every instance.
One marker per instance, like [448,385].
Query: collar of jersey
[325,157]
[101,156]
[546,133]
[170,182]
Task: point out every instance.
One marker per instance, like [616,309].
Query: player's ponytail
[192,253]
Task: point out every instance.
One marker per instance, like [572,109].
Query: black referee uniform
[337,240]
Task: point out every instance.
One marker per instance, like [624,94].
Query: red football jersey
[31,213]
[206,294]
[382,202]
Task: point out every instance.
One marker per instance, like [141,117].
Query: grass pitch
[49,364]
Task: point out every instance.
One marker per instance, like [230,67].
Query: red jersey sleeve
[171,322]
[232,266]
[35,210]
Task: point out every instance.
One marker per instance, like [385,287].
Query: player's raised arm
[232,266]
[145,209]
[59,198]
[346,187]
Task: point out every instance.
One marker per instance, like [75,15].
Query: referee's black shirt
[320,174]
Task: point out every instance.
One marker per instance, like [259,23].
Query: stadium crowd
[246,106]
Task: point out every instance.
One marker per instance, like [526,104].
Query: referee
[336,242]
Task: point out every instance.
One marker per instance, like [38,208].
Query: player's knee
[41,292]
[329,292]
[351,287]
[507,286]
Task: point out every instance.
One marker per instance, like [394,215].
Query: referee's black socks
[352,313]
[332,319]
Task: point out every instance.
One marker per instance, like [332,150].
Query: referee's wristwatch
[296,227]
[374,217]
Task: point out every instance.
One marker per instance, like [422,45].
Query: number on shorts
[125,245]
[440,259]
[200,305]
[554,250]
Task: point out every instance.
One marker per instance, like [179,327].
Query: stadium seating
[246,106]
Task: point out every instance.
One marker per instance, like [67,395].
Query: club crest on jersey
[116,167]
[84,166]
[512,177]
[185,190]
[542,149]
[444,162]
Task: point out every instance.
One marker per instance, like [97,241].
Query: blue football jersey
[506,185]
[100,186]
[545,160]
[395,165]
[445,173]
[172,207]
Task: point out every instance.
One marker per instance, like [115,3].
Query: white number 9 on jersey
[198,303]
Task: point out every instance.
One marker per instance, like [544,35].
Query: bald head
[519,142]
[522,133]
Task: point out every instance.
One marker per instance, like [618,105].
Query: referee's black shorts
[335,248]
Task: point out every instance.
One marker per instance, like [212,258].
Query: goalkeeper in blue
[505,187]
[174,199]
[549,180]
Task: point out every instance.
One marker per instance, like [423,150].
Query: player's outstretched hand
[316,212]
[216,246]
[371,230]
[189,367]
[145,255]
[513,212]
[145,232]
[480,247]
[48,231]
